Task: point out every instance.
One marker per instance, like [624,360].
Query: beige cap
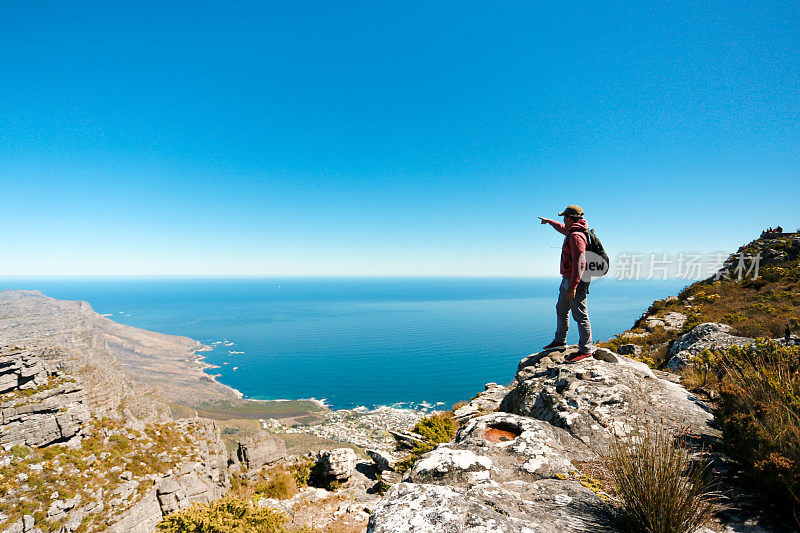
[572,211]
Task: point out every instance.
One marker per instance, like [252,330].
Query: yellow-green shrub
[759,411]
[281,485]
[227,515]
[436,429]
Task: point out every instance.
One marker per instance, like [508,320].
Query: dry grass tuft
[659,487]
[281,485]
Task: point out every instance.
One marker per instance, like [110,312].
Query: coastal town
[367,428]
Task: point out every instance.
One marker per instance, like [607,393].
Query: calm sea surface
[356,341]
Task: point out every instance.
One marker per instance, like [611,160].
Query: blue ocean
[356,341]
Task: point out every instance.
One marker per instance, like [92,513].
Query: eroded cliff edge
[88,441]
[116,363]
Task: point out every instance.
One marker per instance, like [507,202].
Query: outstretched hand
[544,220]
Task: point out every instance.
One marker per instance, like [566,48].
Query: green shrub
[301,472]
[660,489]
[436,429]
[759,410]
[224,516]
[692,320]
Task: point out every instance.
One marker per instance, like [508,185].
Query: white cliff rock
[337,465]
[259,451]
[595,400]
[550,505]
[485,402]
[711,335]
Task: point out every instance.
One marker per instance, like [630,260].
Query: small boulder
[603,354]
[171,497]
[448,466]
[711,335]
[407,439]
[383,461]
[336,465]
[630,349]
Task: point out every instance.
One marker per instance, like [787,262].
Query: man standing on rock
[572,292]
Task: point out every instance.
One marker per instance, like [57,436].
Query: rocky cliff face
[202,477]
[69,466]
[116,364]
[39,407]
[86,442]
[71,342]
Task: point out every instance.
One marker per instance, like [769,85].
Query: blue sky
[389,138]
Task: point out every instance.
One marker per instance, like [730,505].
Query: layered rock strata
[38,407]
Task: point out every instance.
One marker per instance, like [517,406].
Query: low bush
[301,472]
[659,488]
[759,410]
[227,515]
[654,344]
[280,484]
[436,429]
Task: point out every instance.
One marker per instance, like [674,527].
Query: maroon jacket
[573,251]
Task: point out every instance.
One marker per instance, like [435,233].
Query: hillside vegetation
[755,388]
[760,307]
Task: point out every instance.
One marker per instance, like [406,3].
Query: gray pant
[579,312]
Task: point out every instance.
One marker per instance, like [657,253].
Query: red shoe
[555,344]
[580,356]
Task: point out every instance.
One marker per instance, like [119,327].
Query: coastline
[202,365]
[173,364]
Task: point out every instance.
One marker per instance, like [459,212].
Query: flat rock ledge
[550,505]
[503,472]
[38,406]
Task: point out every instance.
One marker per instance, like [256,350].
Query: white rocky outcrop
[514,470]
[596,400]
[672,321]
[337,465]
[259,451]
[485,402]
[710,335]
[550,505]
